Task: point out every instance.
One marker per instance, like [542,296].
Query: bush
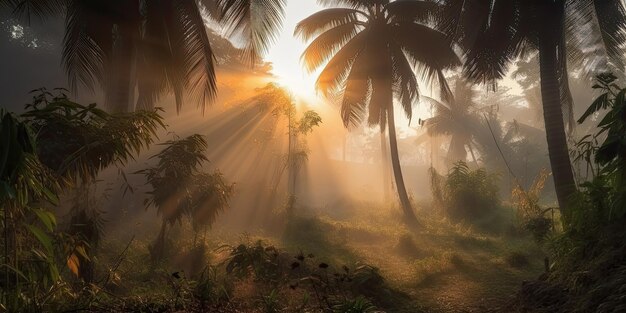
[466,194]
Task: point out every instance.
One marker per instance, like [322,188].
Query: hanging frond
[255,22]
[326,45]
[325,20]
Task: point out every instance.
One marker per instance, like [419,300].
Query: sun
[286,50]
[301,85]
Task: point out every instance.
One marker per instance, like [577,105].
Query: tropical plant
[76,142]
[551,28]
[180,189]
[29,264]
[458,119]
[372,49]
[606,192]
[152,46]
[467,194]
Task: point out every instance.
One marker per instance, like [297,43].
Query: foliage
[256,259]
[166,42]
[180,189]
[458,118]
[358,305]
[603,199]
[531,216]
[30,269]
[78,141]
[211,287]
[470,194]
[73,143]
[588,257]
[332,288]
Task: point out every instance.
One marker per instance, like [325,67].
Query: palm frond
[201,80]
[41,9]
[86,45]
[256,22]
[596,34]
[356,93]
[361,4]
[404,81]
[336,71]
[326,45]
[412,10]
[325,20]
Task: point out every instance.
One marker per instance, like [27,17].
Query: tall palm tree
[153,46]
[496,33]
[372,49]
[458,119]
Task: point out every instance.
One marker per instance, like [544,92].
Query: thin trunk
[407,208]
[472,154]
[159,245]
[291,165]
[385,166]
[552,109]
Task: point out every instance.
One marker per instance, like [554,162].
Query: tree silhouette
[372,49]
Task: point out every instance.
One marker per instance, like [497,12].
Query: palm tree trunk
[552,108]
[407,208]
[385,166]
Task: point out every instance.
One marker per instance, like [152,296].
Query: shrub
[466,194]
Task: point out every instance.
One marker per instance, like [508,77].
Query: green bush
[467,194]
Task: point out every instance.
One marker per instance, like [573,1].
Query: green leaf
[47,218]
[43,238]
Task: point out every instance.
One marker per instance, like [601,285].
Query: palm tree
[496,33]
[458,119]
[372,49]
[152,46]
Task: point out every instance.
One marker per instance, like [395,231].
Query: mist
[344,156]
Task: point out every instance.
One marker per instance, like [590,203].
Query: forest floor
[441,267]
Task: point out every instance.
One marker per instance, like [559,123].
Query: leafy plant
[29,266]
[212,288]
[256,259]
[270,303]
[610,155]
[358,305]
[469,194]
[530,214]
[180,189]
[76,142]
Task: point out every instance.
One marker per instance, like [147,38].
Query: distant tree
[372,49]
[459,119]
